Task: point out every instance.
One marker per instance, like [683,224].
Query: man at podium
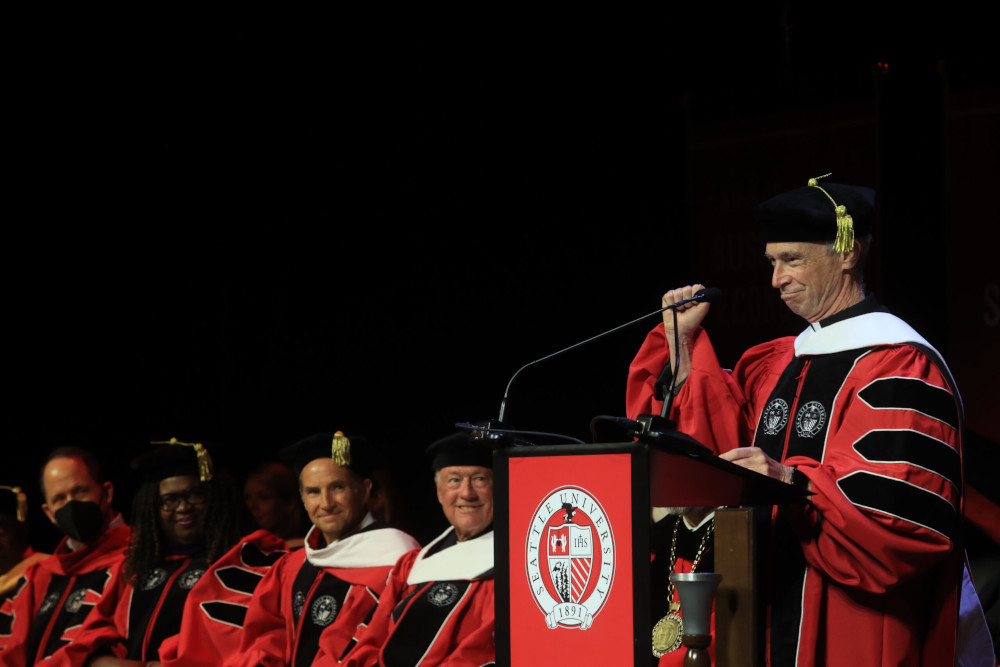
[860,410]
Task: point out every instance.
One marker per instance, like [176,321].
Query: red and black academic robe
[132,619]
[319,590]
[869,571]
[216,608]
[55,596]
[437,608]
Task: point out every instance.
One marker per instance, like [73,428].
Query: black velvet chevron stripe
[914,448]
[6,623]
[237,579]
[902,500]
[912,394]
[252,556]
[225,612]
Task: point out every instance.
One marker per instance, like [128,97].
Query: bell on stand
[697,593]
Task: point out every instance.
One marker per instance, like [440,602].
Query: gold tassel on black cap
[204,460]
[22,502]
[341,449]
[844,242]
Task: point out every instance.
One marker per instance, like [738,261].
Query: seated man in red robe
[331,585]
[51,600]
[438,605]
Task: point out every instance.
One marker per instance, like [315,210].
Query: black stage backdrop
[245,229]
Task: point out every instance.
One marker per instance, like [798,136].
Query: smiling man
[333,583]
[860,410]
[438,604]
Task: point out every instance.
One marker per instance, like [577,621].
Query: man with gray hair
[859,410]
[439,605]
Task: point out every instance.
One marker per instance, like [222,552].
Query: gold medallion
[667,634]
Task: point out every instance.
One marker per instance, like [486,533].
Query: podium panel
[572,547]
[572,554]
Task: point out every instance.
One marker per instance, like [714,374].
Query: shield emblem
[570,556]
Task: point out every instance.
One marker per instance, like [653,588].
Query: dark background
[244,229]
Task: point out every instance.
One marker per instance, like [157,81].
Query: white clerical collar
[694,529]
[855,333]
[866,331]
[371,548]
[470,559]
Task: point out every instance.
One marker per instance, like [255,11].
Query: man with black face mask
[54,596]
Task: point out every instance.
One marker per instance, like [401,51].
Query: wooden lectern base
[738,629]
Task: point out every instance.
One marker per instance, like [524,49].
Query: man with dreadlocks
[333,583]
[55,595]
[170,549]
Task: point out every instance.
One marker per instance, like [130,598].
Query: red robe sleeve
[270,634]
[266,631]
[709,406]
[15,621]
[18,613]
[216,608]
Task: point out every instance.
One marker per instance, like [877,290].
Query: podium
[572,557]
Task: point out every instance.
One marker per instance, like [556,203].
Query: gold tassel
[204,460]
[844,241]
[341,449]
[22,505]
[845,231]
[22,502]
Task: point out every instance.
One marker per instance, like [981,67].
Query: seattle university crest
[810,419]
[775,416]
[570,558]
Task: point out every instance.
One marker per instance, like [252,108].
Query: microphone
[705,295]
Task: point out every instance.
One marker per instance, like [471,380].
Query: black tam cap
[818,213]
[460,449]
[354,452]
[173,459]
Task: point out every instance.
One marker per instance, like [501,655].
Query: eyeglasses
[478,480]
[172,501]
